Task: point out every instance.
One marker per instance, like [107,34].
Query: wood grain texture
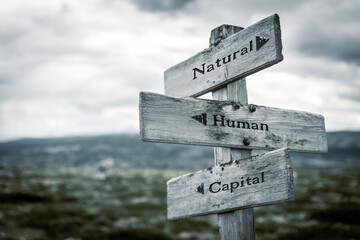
[239,224]
[222,32]
[172,120]
[256,181]
[179,79]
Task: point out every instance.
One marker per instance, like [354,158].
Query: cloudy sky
[71,67]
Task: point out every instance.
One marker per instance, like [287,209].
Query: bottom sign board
[259,180]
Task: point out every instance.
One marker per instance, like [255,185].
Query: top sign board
[246,52]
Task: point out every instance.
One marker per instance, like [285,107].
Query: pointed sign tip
[260,41]
[200,189]
[201,118]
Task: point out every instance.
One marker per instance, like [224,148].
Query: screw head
[252,108]
[236,106]
[246,142]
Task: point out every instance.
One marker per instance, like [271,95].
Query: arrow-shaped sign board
[255,181]
[246,52]
[228,124]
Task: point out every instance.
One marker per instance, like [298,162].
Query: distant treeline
[127,151]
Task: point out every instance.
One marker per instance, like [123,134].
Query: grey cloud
[99,105]
[161,5]
[330,32]
[9,34]
[336,47]
[271,6]
[353,95]
[5,79]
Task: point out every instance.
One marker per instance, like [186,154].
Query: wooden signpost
[237,182]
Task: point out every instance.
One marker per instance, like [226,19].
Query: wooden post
[236,225]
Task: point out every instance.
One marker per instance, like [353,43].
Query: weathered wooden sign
[255,181]
[246,52]
[228,124]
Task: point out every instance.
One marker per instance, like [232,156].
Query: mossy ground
[65,203]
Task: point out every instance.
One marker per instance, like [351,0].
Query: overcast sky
[71,67]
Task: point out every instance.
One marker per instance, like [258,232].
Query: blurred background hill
[128,151]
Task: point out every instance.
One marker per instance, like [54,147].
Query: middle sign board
[228,124]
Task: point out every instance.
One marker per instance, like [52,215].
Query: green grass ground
[131,204]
